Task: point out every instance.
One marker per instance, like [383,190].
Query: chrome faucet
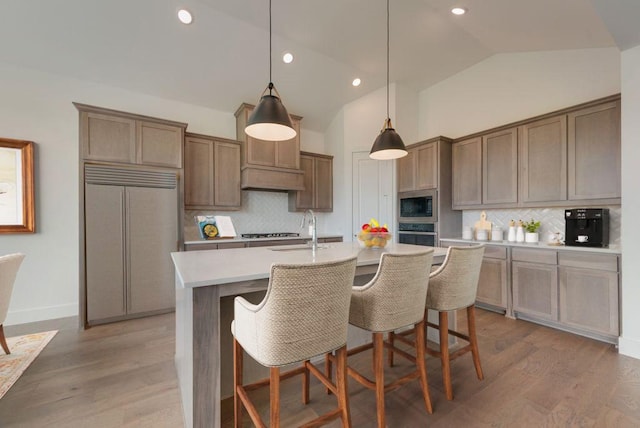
[312,223]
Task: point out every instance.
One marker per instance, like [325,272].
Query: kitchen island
[205,278]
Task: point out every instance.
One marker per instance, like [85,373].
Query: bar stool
[453,286]
[305,313]
[9,266]
[391,300]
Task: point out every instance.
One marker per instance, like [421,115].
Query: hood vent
[270,178]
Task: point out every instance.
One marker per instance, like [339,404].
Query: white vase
[531,238]
[519,234]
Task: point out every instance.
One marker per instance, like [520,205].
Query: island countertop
[214,267]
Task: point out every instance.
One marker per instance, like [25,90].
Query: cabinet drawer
[225,245]
[608,262]
[495,252]
[198,247]
[333,239]
[274,243]
[534,256]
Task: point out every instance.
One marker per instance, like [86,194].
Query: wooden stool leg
[328,369]
[274,396]
[3,341]
[237,381]
[378,370]
[341,385]
[444,353]
[391,339]
[471,324]
[305,383]
[422,368]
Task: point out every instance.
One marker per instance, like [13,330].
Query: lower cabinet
[589,293]
[492,284]
[535,289]
[263,243]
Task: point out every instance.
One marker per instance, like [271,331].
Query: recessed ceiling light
[458,11]
[287,58]
[185,16]
[356,82]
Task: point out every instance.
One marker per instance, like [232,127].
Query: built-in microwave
[418,206]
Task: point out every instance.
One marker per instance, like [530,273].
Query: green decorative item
[531,226]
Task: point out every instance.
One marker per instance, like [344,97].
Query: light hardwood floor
[123,375]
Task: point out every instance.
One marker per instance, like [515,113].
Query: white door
[373,191]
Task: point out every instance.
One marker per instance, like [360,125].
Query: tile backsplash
[551,220]
[261,212]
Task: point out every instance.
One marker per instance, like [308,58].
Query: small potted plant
[531,229]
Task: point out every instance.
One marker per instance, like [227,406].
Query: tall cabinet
[130,216]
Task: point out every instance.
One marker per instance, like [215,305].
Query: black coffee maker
[587,227]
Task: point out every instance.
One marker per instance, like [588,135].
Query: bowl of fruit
[373,235]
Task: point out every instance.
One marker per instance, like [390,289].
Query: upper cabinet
[543,160]
[553,160]
[212,173]
[467,173]
[419,169]
[270,165]
[114,136]
[318,184]
[594,152]
[500,167]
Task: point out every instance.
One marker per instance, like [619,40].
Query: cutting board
[483,224]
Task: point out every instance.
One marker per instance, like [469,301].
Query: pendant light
[270,120]
[388,145]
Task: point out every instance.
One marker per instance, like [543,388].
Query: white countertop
[540,245]
[240,239]
[212,267]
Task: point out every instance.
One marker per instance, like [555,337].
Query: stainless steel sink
[297,248]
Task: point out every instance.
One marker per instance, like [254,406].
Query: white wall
[37,107]
[630,340]
[509,87]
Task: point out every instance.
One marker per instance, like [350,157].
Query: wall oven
[418,234]
[417,207]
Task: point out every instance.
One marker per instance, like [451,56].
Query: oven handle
[409,232]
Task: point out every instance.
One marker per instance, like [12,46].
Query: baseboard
[41,314]
[629,347]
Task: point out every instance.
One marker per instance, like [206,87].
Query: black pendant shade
[270,120]
[388,144]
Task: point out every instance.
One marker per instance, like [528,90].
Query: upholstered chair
[393,299]
[305,313]
[9,266]
[453,286]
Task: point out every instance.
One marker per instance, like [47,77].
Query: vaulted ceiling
[221,59]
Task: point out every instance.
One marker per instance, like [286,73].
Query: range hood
[254,177]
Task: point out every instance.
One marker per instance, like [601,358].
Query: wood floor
[122,375]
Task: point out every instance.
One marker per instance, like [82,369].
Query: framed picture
[17,213]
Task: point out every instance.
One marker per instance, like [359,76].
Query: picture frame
[17,210]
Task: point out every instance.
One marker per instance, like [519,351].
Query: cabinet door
[152,234]
[543,160]
[492,284]
[406,172]
[159,144]
[260,152]
[288,152]
[323,174]
[198,172]
[426,166]
[105,251]
[535,289]
[467,173]
[589,299]
[108,138]
[500,167]
[594,152]
[304,199]
[226,172]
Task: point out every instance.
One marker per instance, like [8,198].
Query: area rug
[24,349]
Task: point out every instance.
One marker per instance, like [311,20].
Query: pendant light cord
[270,55]
[388,118]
